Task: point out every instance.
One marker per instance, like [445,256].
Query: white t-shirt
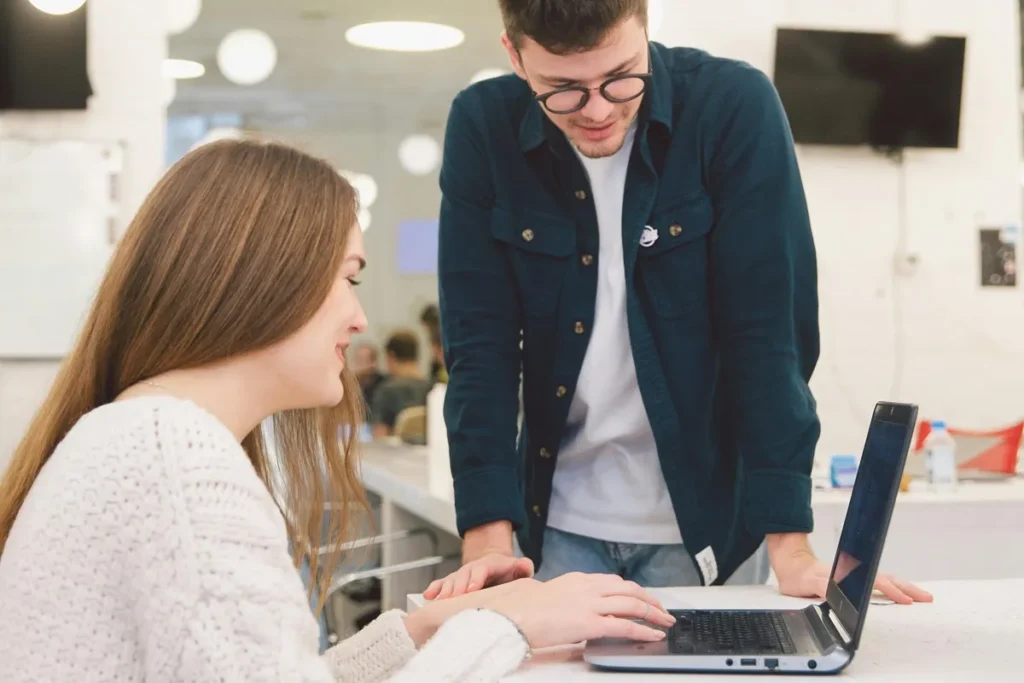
[608,482]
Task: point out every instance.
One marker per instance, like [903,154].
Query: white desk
[976,532]
[972,632]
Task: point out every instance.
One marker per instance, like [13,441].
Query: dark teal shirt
[722,308]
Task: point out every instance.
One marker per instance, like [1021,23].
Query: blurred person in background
[624,225]
[405,386]
[430,318]
[366,367]
[142,536]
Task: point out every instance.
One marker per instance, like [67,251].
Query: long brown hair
[234,249]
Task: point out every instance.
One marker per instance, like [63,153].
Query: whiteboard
[58,214]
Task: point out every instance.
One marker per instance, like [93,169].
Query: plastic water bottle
[940,457]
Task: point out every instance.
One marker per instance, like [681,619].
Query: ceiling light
[181,69]
[914,37]
[364,185]
[364,219]
[57,6]
[419,154]
[405,36]
[246,56]
[655,15]
[484,74]
[180,15]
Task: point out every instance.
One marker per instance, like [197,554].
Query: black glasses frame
[585,93]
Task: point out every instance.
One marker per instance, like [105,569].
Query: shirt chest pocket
[672,263]
[539,248]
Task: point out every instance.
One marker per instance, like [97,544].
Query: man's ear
[513,56]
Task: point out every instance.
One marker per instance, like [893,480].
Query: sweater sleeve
[217,597]
[475,646]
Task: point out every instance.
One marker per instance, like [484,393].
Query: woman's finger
[634,608]
[632,589]
[614,627]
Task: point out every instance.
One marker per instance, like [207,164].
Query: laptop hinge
[832,623]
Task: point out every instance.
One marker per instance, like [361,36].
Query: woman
[142,534]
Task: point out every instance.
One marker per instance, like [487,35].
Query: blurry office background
[904,311]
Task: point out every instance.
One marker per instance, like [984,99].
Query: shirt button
[561,391]
[587,259]
[578,327]
[527,234]
[544,453]
[536,510]
[581,194]
[675,230]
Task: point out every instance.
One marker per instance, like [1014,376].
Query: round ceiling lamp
[364,219]
[405,36]
[364,185]
[419,154]
[914,38]
[57,6]
[181,69]
[246,56]
[484,74]
[180,15]
[655,16]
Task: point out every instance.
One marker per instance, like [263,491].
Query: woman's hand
[564,611]
[577,607]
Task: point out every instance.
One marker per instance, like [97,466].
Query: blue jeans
[650,566]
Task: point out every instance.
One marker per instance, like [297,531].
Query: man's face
[364,361]
[598,129]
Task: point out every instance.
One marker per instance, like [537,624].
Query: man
[634,216]
[366,367]
[405,386]
[430,319]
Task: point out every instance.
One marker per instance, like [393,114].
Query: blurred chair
[980,454]
[411,425]
[359,589]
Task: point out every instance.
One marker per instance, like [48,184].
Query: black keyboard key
[702,632]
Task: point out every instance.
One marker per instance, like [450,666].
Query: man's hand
[490,570]
[802,575]
[487,559]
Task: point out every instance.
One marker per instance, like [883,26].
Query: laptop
[820,639]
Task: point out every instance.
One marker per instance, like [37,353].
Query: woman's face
[309,363]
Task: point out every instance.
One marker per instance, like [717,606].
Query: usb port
[748,662]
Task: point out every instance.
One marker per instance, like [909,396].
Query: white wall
[937,338]
[127,44]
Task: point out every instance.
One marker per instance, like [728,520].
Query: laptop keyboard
[718,632]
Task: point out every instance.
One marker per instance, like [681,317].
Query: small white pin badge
[649,236]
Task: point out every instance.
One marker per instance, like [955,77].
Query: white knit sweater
[149,550]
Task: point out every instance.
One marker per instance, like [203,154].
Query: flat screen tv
[870,89]
[43,58]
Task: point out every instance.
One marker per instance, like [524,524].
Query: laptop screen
[868,514]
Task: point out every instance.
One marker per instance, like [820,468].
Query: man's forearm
[495,537]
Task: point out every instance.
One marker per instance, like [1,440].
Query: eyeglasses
[617,89]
